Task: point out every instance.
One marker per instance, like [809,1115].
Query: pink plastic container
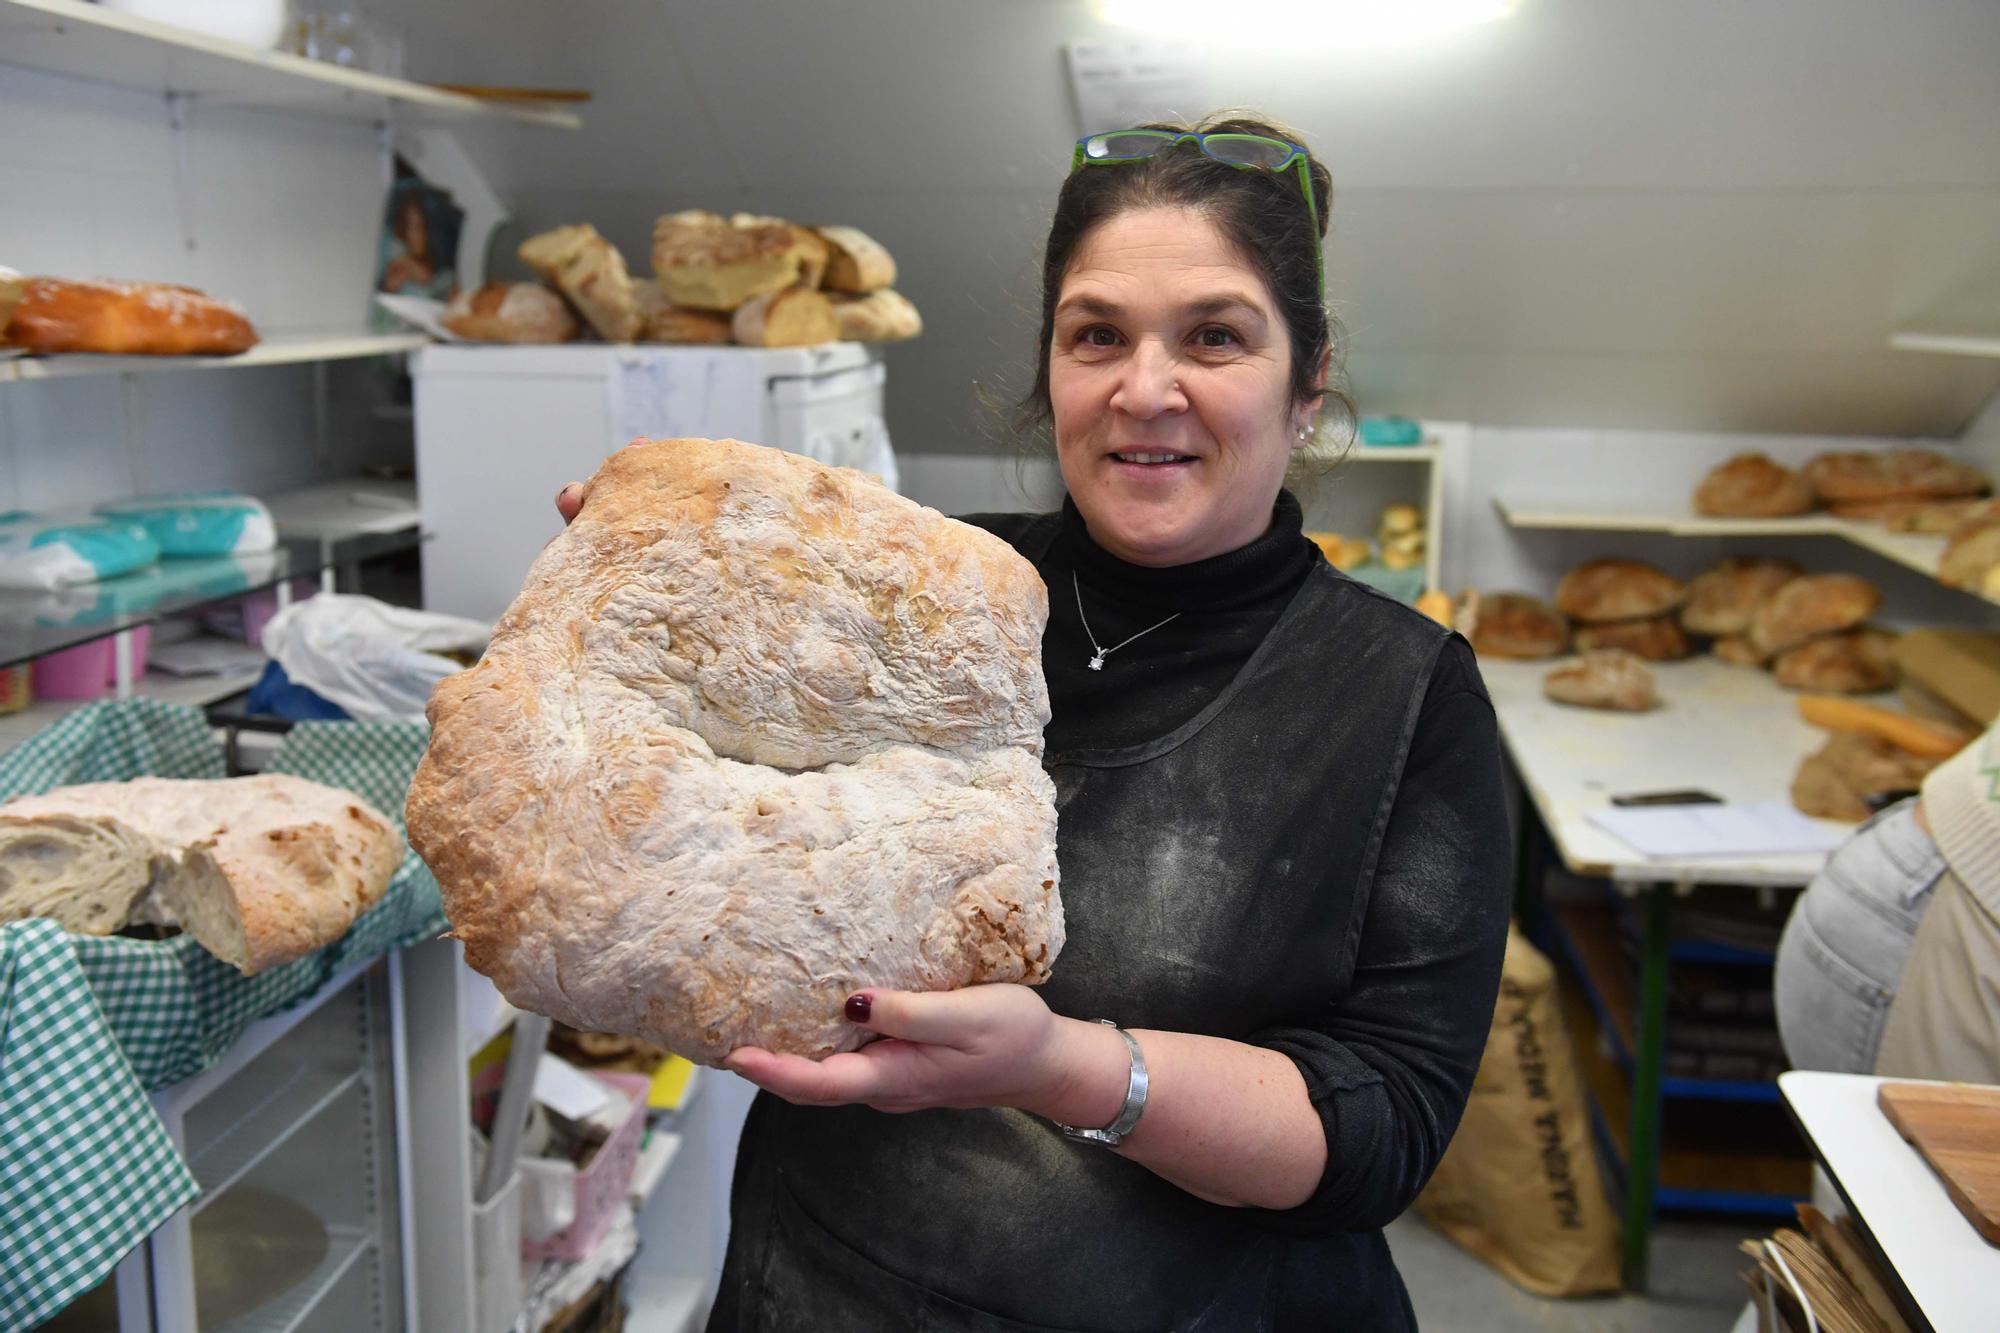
[89,670]
[601,1185]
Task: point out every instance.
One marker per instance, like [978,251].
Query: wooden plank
[1957,1129]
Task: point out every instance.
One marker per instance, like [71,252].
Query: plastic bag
[378,662]
[50,553]
[1519,1185]
[200,523]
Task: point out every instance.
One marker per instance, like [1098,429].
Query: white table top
[1949,1270]
[1720,728]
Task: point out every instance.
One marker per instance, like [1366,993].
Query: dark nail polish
[858,1007]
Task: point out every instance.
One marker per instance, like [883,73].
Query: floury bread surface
[756,733]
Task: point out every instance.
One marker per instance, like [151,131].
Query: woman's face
[1170,376]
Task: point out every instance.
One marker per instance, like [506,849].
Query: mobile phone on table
[1680,796]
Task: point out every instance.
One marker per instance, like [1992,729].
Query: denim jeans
[1849,935]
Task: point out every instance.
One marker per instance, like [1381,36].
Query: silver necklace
[1097,658]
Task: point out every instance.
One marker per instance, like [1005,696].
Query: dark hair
[1261,213]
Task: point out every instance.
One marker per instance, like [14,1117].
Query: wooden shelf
[284,351]
[82,41]
[1913,550]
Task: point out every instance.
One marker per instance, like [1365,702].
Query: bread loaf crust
[1599,591]
[510,312]
[880,317]
[589,271]
[1608,678]
[1752,486]
[125,319]
[1720,601]
[756,733]
[794,317]
[1810,606]
[706,262]
[858,262]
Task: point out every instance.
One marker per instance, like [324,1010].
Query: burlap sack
[1519,1186]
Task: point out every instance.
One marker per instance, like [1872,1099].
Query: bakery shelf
[345,1247]
[1586,936]
[35,624]
[297,349]
[1919,551]
[194,691]
[283,1110]
[80,40]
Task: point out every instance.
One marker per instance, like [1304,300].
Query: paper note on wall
[1121,84]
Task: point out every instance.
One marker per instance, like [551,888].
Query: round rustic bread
[1720,601]
[1599,591]
[1659,639]
[756,733]
[1514,625]
[1861,661]
[1810,606]
[1608,678]
[1752,486]
[510,312]
[1846,476]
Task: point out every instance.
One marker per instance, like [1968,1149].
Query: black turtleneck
[1224,606]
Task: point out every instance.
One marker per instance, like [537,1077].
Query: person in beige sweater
[1890,963]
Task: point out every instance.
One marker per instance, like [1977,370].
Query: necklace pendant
[1097,662]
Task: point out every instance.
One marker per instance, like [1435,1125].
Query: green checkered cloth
[93,1024]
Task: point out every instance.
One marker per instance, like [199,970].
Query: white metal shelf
[1914,550]
[82,41]
[284,351]
[195,691]
[345,1246]
[264,1127]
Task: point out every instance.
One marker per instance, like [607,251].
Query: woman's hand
[993,1045]
[569,501]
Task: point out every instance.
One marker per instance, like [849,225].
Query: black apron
[1214,881]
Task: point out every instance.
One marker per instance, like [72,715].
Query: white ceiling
[1638,213]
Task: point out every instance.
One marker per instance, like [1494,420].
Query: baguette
[1932,740]
[125,319]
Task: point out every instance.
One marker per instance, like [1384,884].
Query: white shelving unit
[1913,550]
[1431,456]
[82,41]
[286,351]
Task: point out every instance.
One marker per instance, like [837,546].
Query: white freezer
[500,429]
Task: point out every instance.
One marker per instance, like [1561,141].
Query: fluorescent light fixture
[1310,23]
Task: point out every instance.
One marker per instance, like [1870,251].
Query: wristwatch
[1135,1099]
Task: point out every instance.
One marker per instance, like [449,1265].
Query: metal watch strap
[1135,1099]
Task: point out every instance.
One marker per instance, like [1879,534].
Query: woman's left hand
[992,1045]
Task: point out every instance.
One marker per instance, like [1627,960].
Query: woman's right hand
[569,501]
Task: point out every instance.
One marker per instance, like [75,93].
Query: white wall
[1647,214]
[277,211]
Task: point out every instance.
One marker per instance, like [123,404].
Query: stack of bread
[1893,486]
[1872,755]
[1400,536]
[1809,629]
[260,870]
[750,280]
[50,315]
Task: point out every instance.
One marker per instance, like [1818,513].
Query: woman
[1284,854]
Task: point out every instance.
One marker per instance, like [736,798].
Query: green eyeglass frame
[1247,152]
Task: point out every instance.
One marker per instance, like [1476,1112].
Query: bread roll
[510,312]
[1615,589]
[1608,678]
[1858,662]
[1844,477]
[705,262]
[260,870]
[1720,601]
[1836,780]
[858,263]
[1752,486]
[1513,625]
[1971,551]
[589,271]
[756,734]
[1659,639]
[794,317]
[125,319]
[814,252]
[1810,606]
[880,317]
[661,321]
[1737,650]
[1343,553]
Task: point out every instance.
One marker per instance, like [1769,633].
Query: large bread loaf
[261,870]
[756,733]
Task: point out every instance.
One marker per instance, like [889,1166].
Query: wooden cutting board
[1956,1126]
